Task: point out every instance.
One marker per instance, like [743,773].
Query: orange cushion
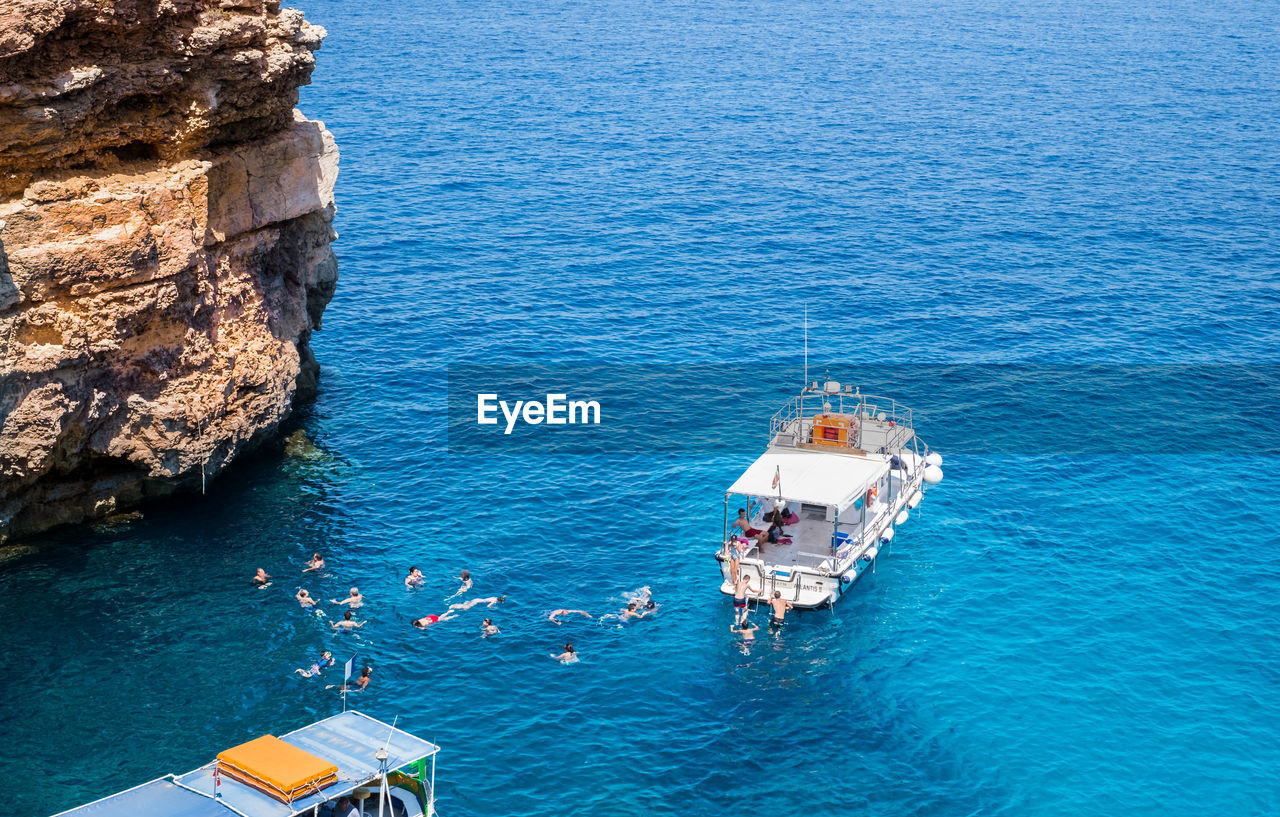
[277,768]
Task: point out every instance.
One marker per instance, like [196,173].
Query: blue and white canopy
[348,740]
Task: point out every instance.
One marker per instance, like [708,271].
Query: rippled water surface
[667,182]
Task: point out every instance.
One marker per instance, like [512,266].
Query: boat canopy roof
[348,740]
[805,475]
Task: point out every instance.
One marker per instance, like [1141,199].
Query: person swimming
[261,579]
[489,628]
[304,598]
[316,563]
[414,579]
[348,623]
[492,601]
[631,611]
[569,655]
[745,629]
[554,615]
[465,578]
[353,601]
[323,662]
[427,621]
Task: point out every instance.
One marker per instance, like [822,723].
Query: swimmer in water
[354,600]
[304,598]
[489,628]
[465,578]
[348,623]
[745,629]
[316,563]
[569,655]
[427,621]
[554,615]
[492,601]
[261,579]
[414,579]
[630,612]
[324,661]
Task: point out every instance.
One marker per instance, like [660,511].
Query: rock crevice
[165,229]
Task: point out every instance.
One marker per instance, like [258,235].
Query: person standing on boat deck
[745,629]
[354,600]
[316,563]
[345,808]
[735,558]
[348,623]
[780,607]
[740,591]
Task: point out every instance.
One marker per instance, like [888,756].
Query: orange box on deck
[831,430]
[279,769]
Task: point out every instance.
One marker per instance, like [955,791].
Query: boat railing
[792,425]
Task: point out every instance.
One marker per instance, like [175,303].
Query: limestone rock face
[165,220]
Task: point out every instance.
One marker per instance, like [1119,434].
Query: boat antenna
[381,756]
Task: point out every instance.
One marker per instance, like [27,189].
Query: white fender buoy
[886,536]
[914,500]
[934,458]
[849,575]
[870,554]
[902,516]
[932,474]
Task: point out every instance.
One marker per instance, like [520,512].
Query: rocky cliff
[165,219]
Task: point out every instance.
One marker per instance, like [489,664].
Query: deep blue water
[664,183]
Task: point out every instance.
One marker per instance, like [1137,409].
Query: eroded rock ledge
[165,219]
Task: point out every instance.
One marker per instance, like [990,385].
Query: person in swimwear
[465,578]
[630,612]
[743,524]
[745,629]
[780,607]
[359,684]
[569,655]
[304,598]
[348,623]
[740,591]
[354,600]
[489,628]
[261,579]
[492,601]
[324,661]
[554,615]
[414,578]
[427,621]
[316,563]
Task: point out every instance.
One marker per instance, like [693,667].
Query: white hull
[810,581]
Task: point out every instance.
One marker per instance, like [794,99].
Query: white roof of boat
[348,740]
[812,476]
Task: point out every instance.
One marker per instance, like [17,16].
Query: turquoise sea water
[652,184]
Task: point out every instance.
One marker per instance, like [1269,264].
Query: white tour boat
[843,471]
[376,768]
